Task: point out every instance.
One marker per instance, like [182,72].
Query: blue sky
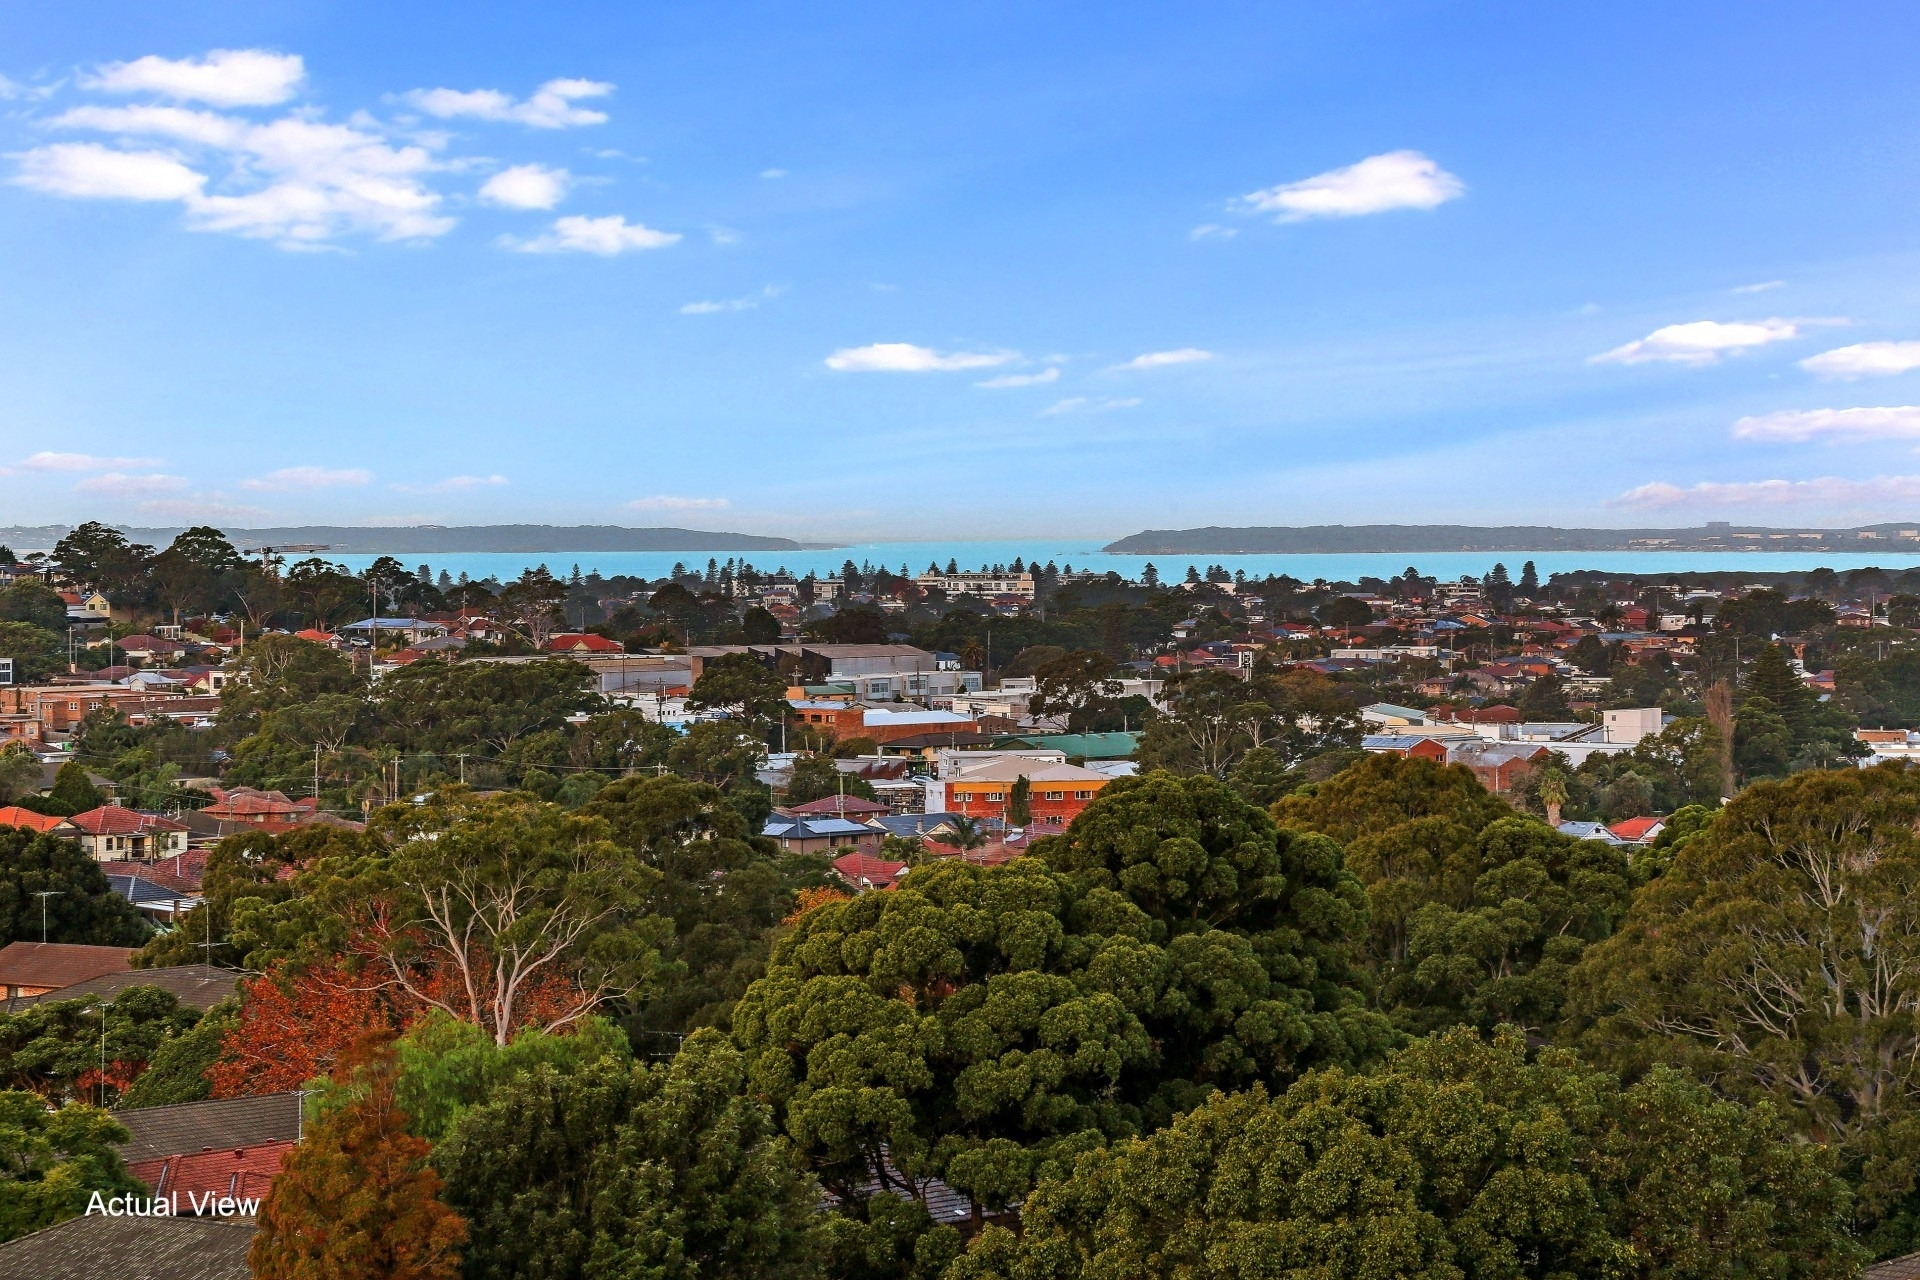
[897,270]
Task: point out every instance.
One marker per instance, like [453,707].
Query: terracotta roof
[220,1124]
[197,986]
[117,820]
[863,869]
[838,806]
[239,1171]
[58,964]
[14,816]
[1634,828]
[96,1246]
[587,640]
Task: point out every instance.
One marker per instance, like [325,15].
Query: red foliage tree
[295,1026]
[358,1198]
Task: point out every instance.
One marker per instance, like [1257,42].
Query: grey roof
[782,828]
[197,986]
[98,1247]
[1907,1268]
[141,892]
[913,824]
[187,1128]
[1588,831]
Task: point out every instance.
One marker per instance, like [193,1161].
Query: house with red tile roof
[854,807]
[865,871]
[205,1177]
[1637,830]
[13,815]
[114,833]
[35,968]
[582,642]
[246,804]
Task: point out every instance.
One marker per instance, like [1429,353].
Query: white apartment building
[979,584]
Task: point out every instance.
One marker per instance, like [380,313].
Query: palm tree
[1553,794]
[966,834]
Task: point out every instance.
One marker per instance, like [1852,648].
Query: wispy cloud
[1212,231]
[748,303]
[605,237]
[1699,342]
[1828,490]
[200,508]
[772,174]
[120,484]
[1378,184]
[1021,379]
[670,502]
[1162,359]
[526,186]
[1889,422]
[905,357]
[1762,287]
[224,78]
[453,484]
[289,479]
[1865,360]
[551,106]
[1085,404]
[46,461]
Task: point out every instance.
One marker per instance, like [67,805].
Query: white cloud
[1394,180]
[771,174]
[1699,342]
[526,186]
[1212,231]
[1761,287]
[905,357]
[747,303]
[13,89]
[1081,404]
[1021,379]
[120,484]
[1865,360]
[297,180]
[289,478]
[225,77]
[455,484]
[667,502]
[89,171]
[1161,359]
[47,461]
[606,236]
[1826,490]
[1893,422]
[550,107]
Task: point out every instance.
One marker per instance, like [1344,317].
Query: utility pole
[316,777]
[43,895]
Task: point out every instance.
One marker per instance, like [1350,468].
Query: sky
[903,270]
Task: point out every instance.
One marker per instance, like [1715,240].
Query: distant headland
[1411,538]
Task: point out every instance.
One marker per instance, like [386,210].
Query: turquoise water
[1086,554]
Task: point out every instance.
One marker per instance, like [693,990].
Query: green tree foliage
[1477,914]
[1779,956]
[99,556]
[738,684]
[856,624]
[20,774]
[1545,701]
[448,1067]
[758,626]
[36,652]
[1214,718]
[1460,1158]
[178,1070]
[1345,611]
[54,1048]
[31,601]
[1766,613]
[620,1169]
[440,707]
[51,1162]
[1883,693]
[251,867]
[84,907]
[1083,687]
[717,752]
[981,1025]
[722,887]
[74,791]
[815,777]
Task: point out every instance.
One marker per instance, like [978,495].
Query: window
[1083,795]
[996,795]
[1052,795]
[879,686]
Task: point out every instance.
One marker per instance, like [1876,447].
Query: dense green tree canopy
[1462,1160]
[51,1162]
[1780,957]
[83,906]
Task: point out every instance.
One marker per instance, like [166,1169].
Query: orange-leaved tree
[357,1198]
[295,1026]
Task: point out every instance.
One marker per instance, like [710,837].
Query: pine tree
[1772,678]
[357,1197]
[1529,585]
[1020,802]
